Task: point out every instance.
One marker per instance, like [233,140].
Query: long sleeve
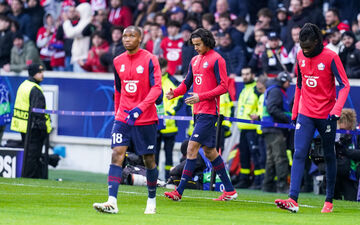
[186,84]
[155,82]
[117,91]
[220,72]
[340,75]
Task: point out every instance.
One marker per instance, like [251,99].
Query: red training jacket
[315,94]
[137,84]
[172,50]
[207,73]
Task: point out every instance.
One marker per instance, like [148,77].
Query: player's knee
[149,161]
[118,155]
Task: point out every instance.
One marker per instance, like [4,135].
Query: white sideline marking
[127,192]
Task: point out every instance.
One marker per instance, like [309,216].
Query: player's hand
[333,117]
[193,99]
[133,115]
[170,94]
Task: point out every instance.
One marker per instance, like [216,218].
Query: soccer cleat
[227,196]
[174,195]
[287,204]
[328,207]
[106,207]
[150,206]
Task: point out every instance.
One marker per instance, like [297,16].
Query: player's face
[131,39]
[308,47]
[199,46]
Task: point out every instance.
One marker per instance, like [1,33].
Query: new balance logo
[196,135]
[328,129]
[150,147]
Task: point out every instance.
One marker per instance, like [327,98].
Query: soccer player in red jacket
[137,87]
[315,107]
[207,74]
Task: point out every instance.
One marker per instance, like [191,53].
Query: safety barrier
[181,118]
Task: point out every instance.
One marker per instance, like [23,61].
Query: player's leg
[219,167]
[119,144]
[144,138]
[304,132]
[327,130]
[158,147]
[187,174]
[169,142]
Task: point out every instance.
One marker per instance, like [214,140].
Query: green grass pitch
[28,201]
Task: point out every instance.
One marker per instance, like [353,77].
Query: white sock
[112,200]
[151,201]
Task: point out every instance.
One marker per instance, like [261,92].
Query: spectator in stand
[225,26]
[333,35]
[222,6]
[355,27]
[69,12]
[208,21]
[116,48]
[17,14]
[313,12]
[6,40]
[241,25]
[99,47]
[161,19]
[255,61]
[275,58]
[36,13]
[282,20]
[265,22]
[187,50]
[350,56]
[295,32]
[152,38]
[102,24]
[97,5]
[143,10]
[4,8]
[119,15]
[43,38]
[23,53]
[196,10]
[298,19]
[171,47]
[81,43]
[177,14]
[348,9]
[332,19]
[234,55]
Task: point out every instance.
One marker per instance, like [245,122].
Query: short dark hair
[225,15]
[310,32]
[240,21]
[137,29]
[163,63]
[174,23]
[248,67]
[119,28]
[265,12]
[335,12]
[209,17]
[206,37]
[97,33]
[154,25]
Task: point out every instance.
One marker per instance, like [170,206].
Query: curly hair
[206,37]
[348,118]
[310,32]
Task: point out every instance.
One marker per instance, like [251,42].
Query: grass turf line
[28,201]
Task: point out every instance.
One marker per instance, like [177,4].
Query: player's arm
[117,91]
[338,70]
[295,108]
[222,80]
[185,84]
[155,83]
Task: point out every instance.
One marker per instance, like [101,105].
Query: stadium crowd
[259,40]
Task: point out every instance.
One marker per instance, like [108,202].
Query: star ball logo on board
[131,85]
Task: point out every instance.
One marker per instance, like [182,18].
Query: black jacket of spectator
[37,17]
[60,35]
[115,49]
[188,52]
[6,43]
[315,15]
[274,105]
[268,65]
[239,8]
[350,58]
[234,56]
[295,21]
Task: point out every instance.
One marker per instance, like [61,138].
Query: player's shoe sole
[105,208]
[288,204]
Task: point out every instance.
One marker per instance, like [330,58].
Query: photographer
[347,157]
